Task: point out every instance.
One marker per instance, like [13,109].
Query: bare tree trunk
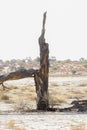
[41,78]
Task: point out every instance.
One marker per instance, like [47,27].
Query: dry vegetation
[78,127]
[12,125]
[23,98]
[83,84]
[57,68]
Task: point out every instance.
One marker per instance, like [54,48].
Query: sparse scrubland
[60,92]
[56,68]
[64,87]
[20,97]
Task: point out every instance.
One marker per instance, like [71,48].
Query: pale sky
[21,23]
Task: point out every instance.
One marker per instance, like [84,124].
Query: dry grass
[30,96]
[55,99]
[11,124]
[83,84]
[4,97]
[78,127]
[23,98]
[14,92]
[54,84]
[20,128]
[1,88]
[22,106]
[13,87]
[63,92]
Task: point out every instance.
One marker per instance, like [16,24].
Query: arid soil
[44,121]
[20,96]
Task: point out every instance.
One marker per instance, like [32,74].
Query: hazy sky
[21,23]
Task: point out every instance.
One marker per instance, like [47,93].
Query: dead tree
[40,76]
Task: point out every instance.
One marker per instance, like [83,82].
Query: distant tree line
[29,59]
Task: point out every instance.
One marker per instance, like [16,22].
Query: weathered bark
[41,78]
[23,73]
[78,106]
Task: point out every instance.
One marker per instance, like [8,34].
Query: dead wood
[19,74]
[41,78]
[77,106]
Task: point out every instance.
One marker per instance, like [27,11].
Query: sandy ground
[67,88]
[43,121]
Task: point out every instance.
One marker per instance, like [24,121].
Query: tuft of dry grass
[83,84]
[55,99]
[11,124]
[13,87]
[20,128]
[54,84]
[30,96]
[78,127]
[4,97]
[22,106]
